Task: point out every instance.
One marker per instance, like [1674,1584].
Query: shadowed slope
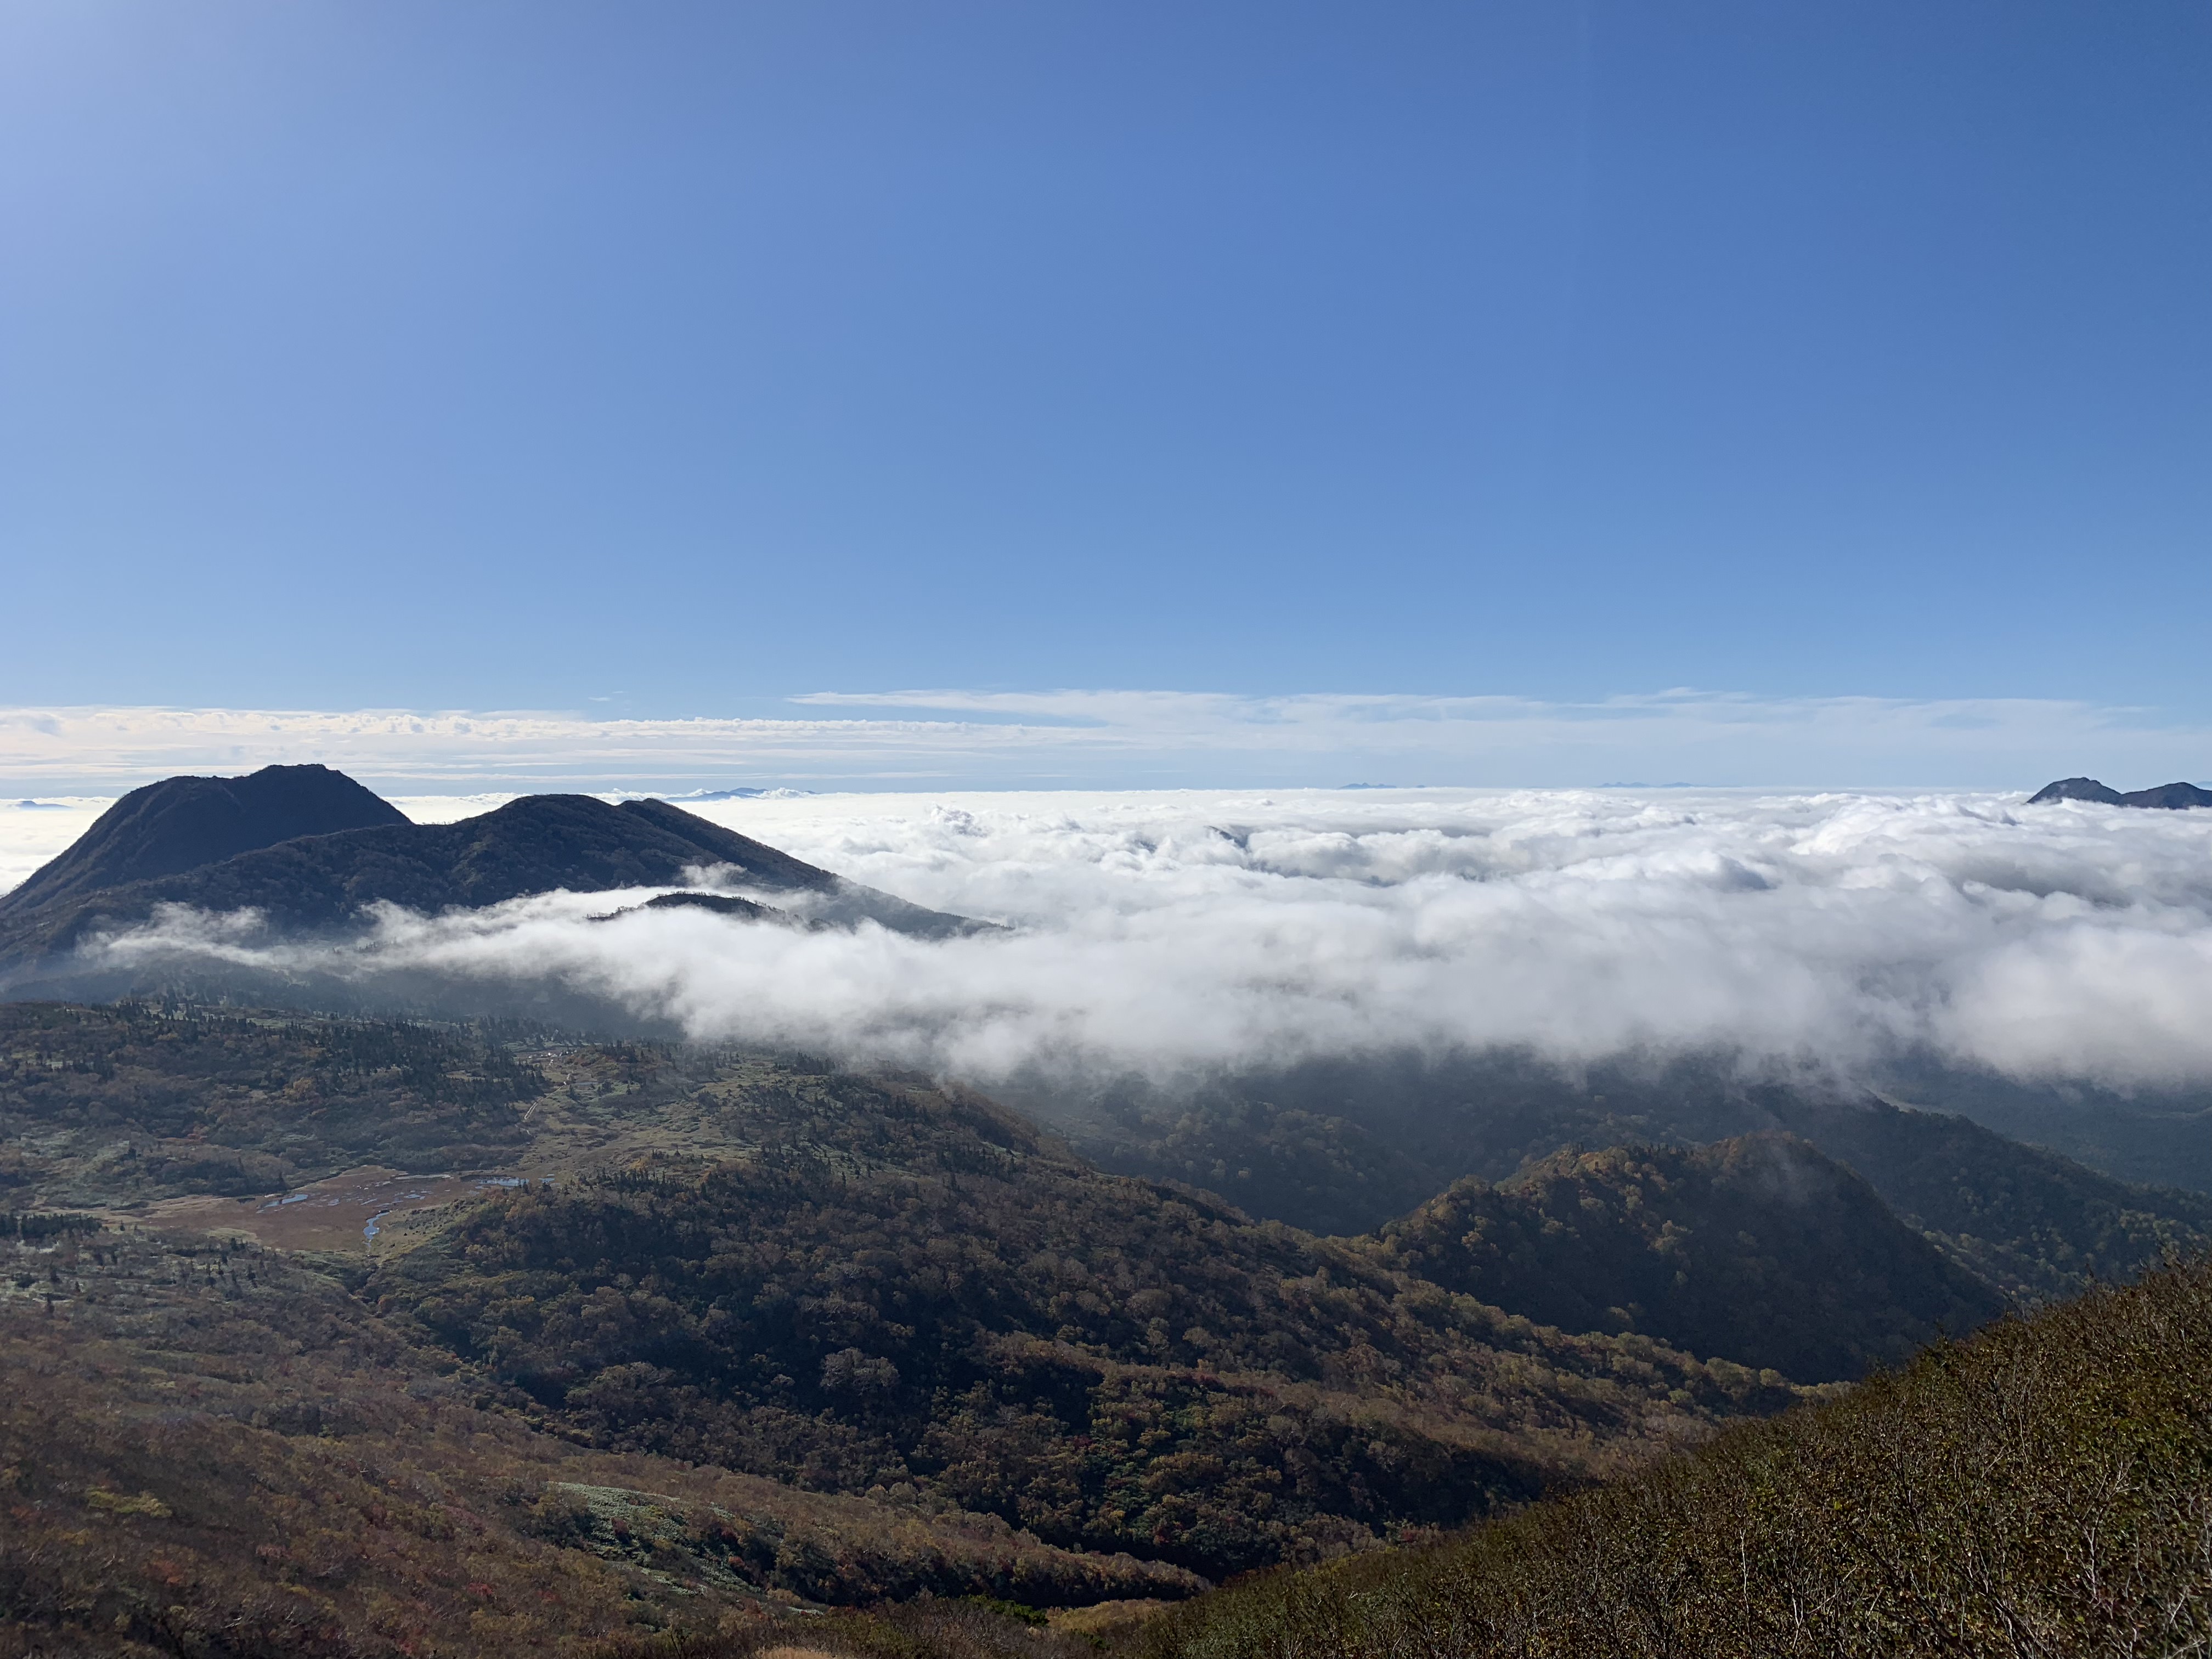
[2038,1491]
[1346,1146]
[539,844]
[1759,1249]
[183,823]
[2173,797]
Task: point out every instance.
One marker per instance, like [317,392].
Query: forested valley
[351,1336]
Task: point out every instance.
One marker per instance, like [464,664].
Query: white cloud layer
[1171,930]
[951,739]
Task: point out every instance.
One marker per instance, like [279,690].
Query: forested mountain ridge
[2036,1224]
[894,1288]
[1759,1249]
[1348,1146]
[2173,797]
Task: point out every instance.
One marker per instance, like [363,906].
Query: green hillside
[2037,1224]
[860,1286]
[2042,1489]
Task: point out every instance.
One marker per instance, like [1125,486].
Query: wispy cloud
[1108,739]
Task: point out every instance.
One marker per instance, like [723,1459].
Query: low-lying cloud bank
[1168,931]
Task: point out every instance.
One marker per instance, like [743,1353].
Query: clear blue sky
[690,355]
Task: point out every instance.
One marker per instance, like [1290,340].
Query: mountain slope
[2173,797]
[2039,1491]
[183,823]
[2036,1222]
[857,1284]
[1759,1249]
[854,1284]
[2089,789]
[207,1449]
[1346,1146]
[533,845]
[2149,1136]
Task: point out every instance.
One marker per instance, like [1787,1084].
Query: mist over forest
[1176,934]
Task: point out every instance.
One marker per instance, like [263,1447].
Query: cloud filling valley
[1177,931]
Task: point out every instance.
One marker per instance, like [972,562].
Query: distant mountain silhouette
[2076,789]
[2173,796]
[320,882]
[182,823]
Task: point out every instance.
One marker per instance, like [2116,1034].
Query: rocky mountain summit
[2172,796]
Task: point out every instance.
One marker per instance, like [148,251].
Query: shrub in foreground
[2045,1489]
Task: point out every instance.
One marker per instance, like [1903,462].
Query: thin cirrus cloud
[1192,927]
[1177,931]
[1104,739]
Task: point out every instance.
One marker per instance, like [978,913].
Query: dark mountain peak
[320,880]
[541,842]
[2075,789]
[659,840]
[2173,797]
[180,825]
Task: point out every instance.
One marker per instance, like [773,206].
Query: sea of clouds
[1177,930]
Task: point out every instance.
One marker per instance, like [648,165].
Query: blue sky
[672,359]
